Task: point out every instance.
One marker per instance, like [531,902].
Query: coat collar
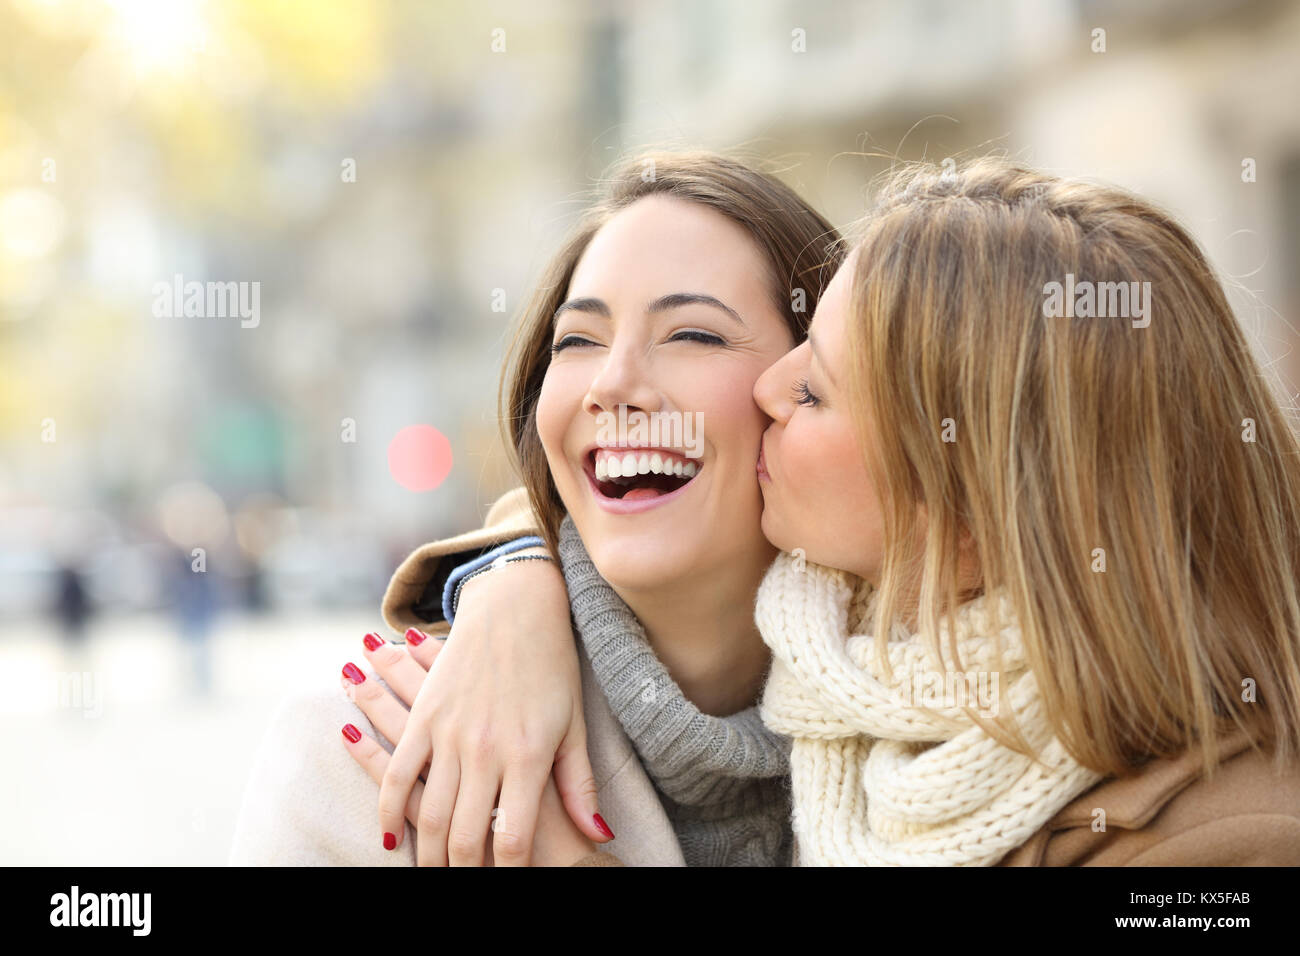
[1133,800]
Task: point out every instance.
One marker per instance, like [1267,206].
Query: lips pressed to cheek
[633,474]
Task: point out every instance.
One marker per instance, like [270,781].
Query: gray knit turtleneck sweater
[724,781]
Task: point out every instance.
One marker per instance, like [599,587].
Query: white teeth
[610,465]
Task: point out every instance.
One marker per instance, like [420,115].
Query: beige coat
[1167,814]
[308,803]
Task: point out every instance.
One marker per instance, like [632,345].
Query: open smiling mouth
[633,474]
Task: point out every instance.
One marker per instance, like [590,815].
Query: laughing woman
[1094,520]
[690,277]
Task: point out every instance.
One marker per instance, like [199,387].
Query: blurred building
[389,174]
[393,174]
[1182,94]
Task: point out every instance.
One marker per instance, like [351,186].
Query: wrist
[537,551]
[521,584]
[489,560]
[496,567]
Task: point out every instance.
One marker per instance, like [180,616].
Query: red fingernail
[351,733]
[353,673]
[603,827]
[372,641]
[415,638]
[390,841]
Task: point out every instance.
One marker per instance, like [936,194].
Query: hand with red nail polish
[403,669]
[557,842]
[498,720]
[471,678]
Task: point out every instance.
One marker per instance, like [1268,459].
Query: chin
[632,570]
[774,532]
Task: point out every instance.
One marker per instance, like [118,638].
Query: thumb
[577,787]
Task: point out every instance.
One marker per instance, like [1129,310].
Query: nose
[773,392]
[623,379]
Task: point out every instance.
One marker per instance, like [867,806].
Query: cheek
[719,395]
[730,414]
[809,471]
[736,418]
[853,484]
[557,406]
[824,460]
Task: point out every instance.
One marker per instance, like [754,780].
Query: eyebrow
[820,360]
[585,304]
[673,300]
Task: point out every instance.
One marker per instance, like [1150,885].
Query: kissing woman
[1101,519]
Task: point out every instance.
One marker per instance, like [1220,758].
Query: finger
[436,809]
[395,665]
[516,821]
[473,816]
[400,777]
[423,647]
[378,704]
[577,787]
[373,758]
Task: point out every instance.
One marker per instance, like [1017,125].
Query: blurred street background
[199,514]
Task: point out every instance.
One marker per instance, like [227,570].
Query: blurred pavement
[157,776]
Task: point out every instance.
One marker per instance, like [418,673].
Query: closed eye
[802,395]
[690,335]
[570,340]
[694,335]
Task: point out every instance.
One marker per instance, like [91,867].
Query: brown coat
[1166,814]
[1170,814]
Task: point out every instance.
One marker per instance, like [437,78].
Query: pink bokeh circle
[419,457]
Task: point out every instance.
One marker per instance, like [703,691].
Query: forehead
[663,244]
[834,303]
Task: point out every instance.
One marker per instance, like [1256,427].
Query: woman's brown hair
[1129,480]
[801,248]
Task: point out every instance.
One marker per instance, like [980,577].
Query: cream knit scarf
[893,772]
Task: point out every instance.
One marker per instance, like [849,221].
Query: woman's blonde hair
[802,251]
[1133,487]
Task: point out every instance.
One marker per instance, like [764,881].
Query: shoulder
[1247,812]
[307,802]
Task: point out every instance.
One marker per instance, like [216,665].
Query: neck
[702,629]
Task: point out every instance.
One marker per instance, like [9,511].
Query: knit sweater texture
[723,781]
